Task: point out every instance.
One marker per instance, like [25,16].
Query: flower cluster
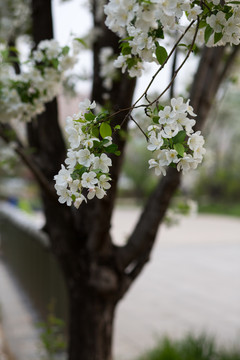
[223,26]
[173,140]
[22,96]
[86,173]
[142,24]
[15,19]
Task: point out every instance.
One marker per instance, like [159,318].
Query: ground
[191,284]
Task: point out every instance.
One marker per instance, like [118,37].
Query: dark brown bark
[91,326]
[42,26]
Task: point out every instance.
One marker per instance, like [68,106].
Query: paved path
[192,283]
[18,319]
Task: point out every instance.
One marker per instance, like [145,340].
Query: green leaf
[102,115]
[81,42]
[179,148]
[161,54]
[95,132]
[228,14]
[155,119]
[160,107]
[202,24]
[89,116]
[180,137]
[132,62]
[208,32]
[105,130]
[117,127]
[65,50]
[121,41]
[13,59]
[195,49]
[183,45]
[78,172]
[55,63]
[13,49]
[104,141]
[217,37]
[111,148]
[126,50]
[159,31]
[82,170]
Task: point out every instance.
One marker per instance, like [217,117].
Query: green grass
[220,209]
[190,348]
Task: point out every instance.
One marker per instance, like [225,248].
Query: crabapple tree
[77,169]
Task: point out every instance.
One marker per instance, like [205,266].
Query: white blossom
[86,105]
[166,115]
[187,163]
[85,157]
[65,196]
[155,142]
[158,168]
[63,177]
[169,131]
[196,141]
[185,151]
[178,105]
[103,182]
[89,179]
[100,193]
[103,162]
[172,156]
[217,22]
[78,201]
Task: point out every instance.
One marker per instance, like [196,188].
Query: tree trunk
[91,325]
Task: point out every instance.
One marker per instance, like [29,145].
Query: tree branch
[174,64]
[8,134]
[141,240]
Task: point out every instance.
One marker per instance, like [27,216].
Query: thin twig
[162,66]
[203,3]
[173,72]
[144,94]
[139,127]
[177,71]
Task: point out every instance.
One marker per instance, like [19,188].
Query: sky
[73,17]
